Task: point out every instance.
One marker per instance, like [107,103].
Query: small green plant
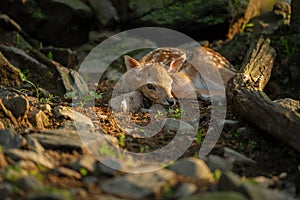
[36,174]
[50,55]
[241,146]
[217,174]
[175,113]
[144,148]
[251,145]
[18,40]
[158,115]
[122,140]
[286,47]
[199,136]
[106,150]
[247,27]
[236,135]
[1,149]
[47,100]
[25,79]
[83,171]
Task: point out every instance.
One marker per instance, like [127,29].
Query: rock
[237,158]
[6,189]
[59,79]
[3,162]
[38,19]
[229,181]
[185,190]
[10,139]
[66,57]
[81,121]
[34,145]
[58,139]
[131,186]
[217,162]
[192,167]
[90,179]
[16,103]
[108,170]
[14,173]
[105,12]
[85,162]
[47,195]
[38,119]
[194,18]
[67,172]
[217,196]
[9,75]
[37,72]
[39,159]
[29,183]
[232,182]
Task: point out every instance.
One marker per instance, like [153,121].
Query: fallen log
[245,95]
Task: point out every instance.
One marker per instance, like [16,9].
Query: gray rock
[10,139]
[58,139]
[105,12]
[232,182]
[218,196]
[139,186]
[46,195]
[59,79]
[192,167]
[9,75]
[34,145]
[29,183]
[237,158]
[85,162]
[185,190]
[82,122]
[6,189]
[67,172]
[217,162]
[39,159]
[90,179]
[38,19]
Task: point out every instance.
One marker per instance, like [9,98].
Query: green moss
[185,11]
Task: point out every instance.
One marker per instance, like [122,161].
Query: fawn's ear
[130,62]
[176,64]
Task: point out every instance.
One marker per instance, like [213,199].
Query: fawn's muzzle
[169,101]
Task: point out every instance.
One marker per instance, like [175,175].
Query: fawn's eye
[150,86]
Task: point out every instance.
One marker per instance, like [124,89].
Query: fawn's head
[154,80]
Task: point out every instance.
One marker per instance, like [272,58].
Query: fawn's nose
[169,101]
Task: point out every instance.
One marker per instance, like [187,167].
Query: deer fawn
[166,73]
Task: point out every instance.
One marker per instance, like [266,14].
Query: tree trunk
[245,95]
